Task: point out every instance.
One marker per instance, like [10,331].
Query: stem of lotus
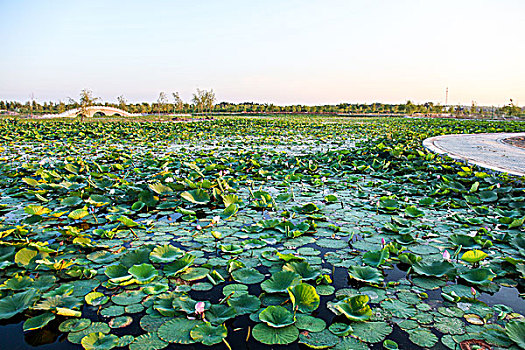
[228,345]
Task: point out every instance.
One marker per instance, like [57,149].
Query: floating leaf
[304,298]
[273,336]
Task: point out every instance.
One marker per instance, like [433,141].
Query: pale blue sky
[276,51]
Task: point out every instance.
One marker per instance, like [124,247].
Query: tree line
[204,102]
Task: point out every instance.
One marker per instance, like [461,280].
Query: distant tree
[122,103]
[178,103]
[410,107]
[86,100]
[162,101]
[209,100]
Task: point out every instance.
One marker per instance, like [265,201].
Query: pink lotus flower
[199,308]
[383,242]
[446,255]
[473,291]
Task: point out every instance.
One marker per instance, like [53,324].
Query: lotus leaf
[198,196]
[245,304]
[143,273]
[480,275]
[371,332]
[177,331]
[365,274]
[319,340]
[277,316]
[304,298]
[208,334]
[247,276]
[303,269]
[14,304]
[99,341]
[280,282]
[433,269]
[165,254]
[354,308]
[38,322]
[274,336]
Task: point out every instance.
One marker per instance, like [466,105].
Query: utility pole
[446,97]
[31,104]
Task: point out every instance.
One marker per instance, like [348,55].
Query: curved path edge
[485,150]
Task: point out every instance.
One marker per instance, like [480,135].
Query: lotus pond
[237,233]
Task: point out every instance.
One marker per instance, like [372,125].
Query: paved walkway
[485,150]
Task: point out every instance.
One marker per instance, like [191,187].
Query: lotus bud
[383,242]
[216,219]
[446,255]
[199,308]
[198,227]
[473,291]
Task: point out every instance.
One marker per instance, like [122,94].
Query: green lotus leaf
[128,297]
[36,210]
[276,316]
[303,269]
[135,257]
[231,249]
[389,204]
[371,332]
[25,256]
[365,274]
[14,304]
[309,323]
[198,196]
[230,199]
[208,334]
[149,341]
[74,325]
[71,201]
[78,214]
[390,345]
[516,332]
[247,276]
[355,308]
[179,266]
[481,275]
[219,313]
[165,254]
[275,336]
[95,327]
[127,221]
[229,211]
[245,304]
[38,322]
[375,258]
[99,341]
[341,329]
[98,200]
[319,340]
[117,273]
[474,256]
[195,273]
[18,283]
[422,337]
[413,212]
[101,257]
[159,188]
[177,331]
[154,289]
[304,298]
[398,308]
[120,322]
[143,273]
[433,269]
[281,281]
[96,298]
[409,258]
